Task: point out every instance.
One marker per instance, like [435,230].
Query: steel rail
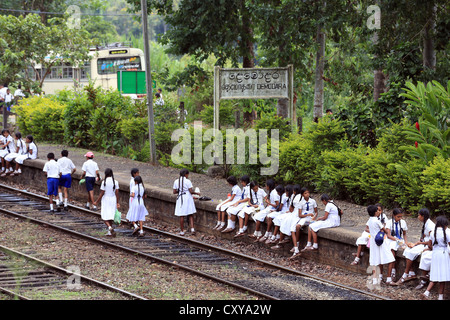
[69,273]
[208,246]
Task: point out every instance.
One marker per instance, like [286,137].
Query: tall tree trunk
[318,87]
[429,55]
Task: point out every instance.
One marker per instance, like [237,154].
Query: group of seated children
[284,209]
[385,236]
[17,150]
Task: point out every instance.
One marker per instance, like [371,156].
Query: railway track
[24,277]
[246,273]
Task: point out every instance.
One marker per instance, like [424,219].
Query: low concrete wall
[336,244]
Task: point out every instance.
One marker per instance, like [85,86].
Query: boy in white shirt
[65,182]
[52,171]
[91,172]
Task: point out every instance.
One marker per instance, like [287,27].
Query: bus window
[112,65]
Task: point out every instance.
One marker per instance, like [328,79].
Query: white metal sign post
[254,83]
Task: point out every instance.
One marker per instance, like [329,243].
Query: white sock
[441,297]
[298,243]
[426,293]
[87,204]
[60,196]
[315,245]
[296,250]
[11,170]
[412,273]
[222,224]
[404,275]
[3,168]
[244,228]
[51,207]
[19,171]
[374,280]
[65,202]
[388,279]
[309,244]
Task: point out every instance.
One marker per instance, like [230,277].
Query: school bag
[339,209]
[379,238]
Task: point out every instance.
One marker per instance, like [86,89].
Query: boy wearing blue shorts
[91,175]
[52,171]
[65,182]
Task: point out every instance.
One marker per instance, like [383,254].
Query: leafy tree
[27,42]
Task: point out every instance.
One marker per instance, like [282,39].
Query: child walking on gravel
[137,211]
[52,171]
[185,206]
[90,174]
[65,182]
[109,195]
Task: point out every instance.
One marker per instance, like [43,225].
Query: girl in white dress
[283,214]
[255,204]
[138,211]
[379,254]
[134,173]
[307,213]
[363,239]
[222,207]
[440,260]
[281,209]
[21,149]
[272,202]
[396,238]
[234,209]
[185,206]
[292,216]
[419,249]
[331,219]
[109,195]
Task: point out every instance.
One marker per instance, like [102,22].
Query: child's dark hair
[245,178]
[19,137]
[289,189]
[64,153]
[396,212]
[381,217]
[280,190]
[252,185]
[5,130]
[109,173]
[232,180]
[134,171]
[326,197]
[270,183]
[372,209]
[50,155]
[425,213]
[183,173]
[138,182]
[442,222]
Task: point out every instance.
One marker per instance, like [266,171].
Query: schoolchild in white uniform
[283,214]
[440,259]
[307,213]
[363,239]
[255,204]
[379,254]
[222,207]
[52,172]
[234,209]
[21,149]
[395,237]
[419,249]
[7,146]
[185,205]
[272,201]
[137,210]
[90,174]
[292,216]
[65,182]
[273,214]
[134,174]
[31,154]
[109,196]
[331,219]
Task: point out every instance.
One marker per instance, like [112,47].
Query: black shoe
[52,211]
[66,208]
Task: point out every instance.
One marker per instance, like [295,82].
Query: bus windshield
[112,65]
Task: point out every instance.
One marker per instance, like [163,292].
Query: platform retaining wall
[336,245]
